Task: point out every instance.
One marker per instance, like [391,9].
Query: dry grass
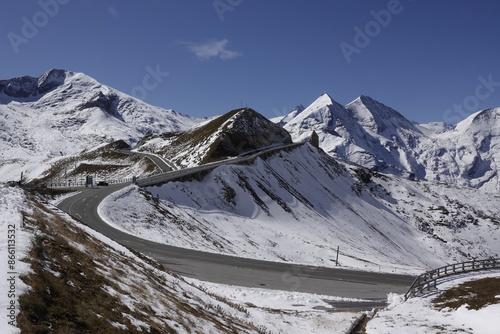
[476,294]
[67,294]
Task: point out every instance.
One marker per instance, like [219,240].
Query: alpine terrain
[62,113]
[328,187]
[378,137]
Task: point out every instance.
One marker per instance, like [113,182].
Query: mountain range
[67,124]
[61,113]
[370,134]
[377,193]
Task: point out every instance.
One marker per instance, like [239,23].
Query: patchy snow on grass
[15,242]
[418,315]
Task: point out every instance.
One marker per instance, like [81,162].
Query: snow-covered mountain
[378,137]
[61,113]
[282,120]
[299,206]
[238,131]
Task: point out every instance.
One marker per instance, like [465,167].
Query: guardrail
[428,281]
[179,174]
[69,183]
[163,177]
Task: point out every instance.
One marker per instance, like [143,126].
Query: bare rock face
[248,131]
[236,132]
[26,86]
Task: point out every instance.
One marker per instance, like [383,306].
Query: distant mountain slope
[61,113]
[378,137]
[468,154]
[236,132]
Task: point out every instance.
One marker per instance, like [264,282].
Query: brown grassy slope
[476,294]
[233,133]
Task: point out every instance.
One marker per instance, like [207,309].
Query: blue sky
[430,60]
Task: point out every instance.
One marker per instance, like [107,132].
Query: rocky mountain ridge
[236,132]
[368,133]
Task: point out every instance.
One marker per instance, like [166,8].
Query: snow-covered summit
[487,120]
[324,114]
[62,113]
[377,117]
[376,136]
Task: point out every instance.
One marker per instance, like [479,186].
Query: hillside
[299,206]
[238,131]
[388,194]
[71,279]
[62,113]
[368,133]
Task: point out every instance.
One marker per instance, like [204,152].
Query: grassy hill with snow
[236,132]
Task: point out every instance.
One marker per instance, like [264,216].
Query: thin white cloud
[212,49]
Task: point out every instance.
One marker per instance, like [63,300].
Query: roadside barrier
[69,183]
[162,177]
[198,171]
[428,281]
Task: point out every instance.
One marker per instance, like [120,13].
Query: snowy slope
[298,206]
[61,113]
[282,120]
[67,278]
[468,154]
[378,137]
[15,244]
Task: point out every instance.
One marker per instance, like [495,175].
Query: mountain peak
[283,120]
[366,99]
[238,131]
[485,120]
[325,99]
[27,86]
[63,113]
[324,104]
[51,79]
[378,117]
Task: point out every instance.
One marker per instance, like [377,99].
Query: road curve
[162,164]
[238,271]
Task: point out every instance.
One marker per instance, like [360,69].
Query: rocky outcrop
[232,134]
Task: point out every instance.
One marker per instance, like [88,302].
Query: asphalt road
[162,164]
[240,271]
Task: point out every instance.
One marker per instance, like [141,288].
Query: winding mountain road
[241,271]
